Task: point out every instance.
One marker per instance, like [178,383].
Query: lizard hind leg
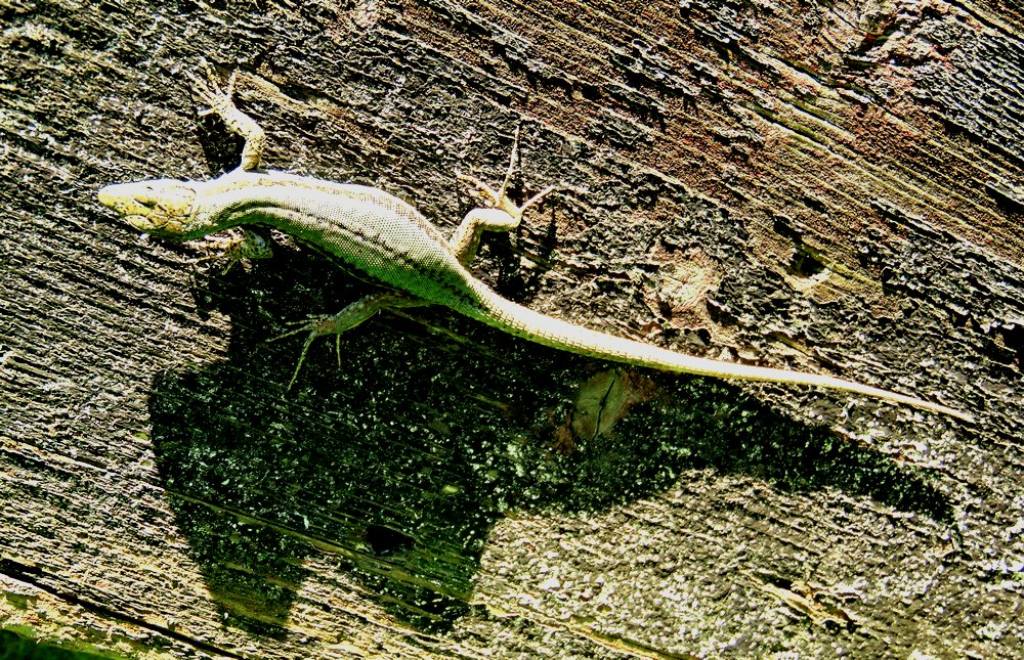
[351,316]
[502,217]
[466,239]
[500,214]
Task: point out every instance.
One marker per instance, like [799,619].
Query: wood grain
[830,186]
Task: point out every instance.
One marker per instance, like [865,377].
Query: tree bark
[834,187]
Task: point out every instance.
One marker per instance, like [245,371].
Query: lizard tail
[549,331]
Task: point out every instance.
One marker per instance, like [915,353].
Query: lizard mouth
[107,196]
[140,222]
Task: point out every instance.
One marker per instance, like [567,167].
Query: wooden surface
[829,186]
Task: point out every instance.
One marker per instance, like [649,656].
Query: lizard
[382,237]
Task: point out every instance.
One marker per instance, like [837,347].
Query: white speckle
[550,584]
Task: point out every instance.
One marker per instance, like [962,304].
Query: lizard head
[161,207]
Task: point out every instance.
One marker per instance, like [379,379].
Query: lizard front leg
[249,245]
[350,317]
[239,123]
[245,245]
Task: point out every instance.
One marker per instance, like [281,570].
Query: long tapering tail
[549,331]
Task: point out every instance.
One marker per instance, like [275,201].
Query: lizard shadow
[395,468]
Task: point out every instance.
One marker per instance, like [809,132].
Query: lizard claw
[501,201]
[538,198]
[209,89]
[316,326]
[499,198]
[491,198]
[241,246]
[296,328]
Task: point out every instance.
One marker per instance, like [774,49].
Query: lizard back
[374,232]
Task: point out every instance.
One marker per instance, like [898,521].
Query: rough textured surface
[833,186]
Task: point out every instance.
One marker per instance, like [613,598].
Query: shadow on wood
[400,463]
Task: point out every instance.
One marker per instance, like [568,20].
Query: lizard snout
[112,196]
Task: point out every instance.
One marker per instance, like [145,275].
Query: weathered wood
[829,186]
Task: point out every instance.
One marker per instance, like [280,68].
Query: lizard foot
[498,214]
[315,326]
[499,198]
[244,246]
[348,318]
[210,91]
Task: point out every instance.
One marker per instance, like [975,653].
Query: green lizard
[384,238]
